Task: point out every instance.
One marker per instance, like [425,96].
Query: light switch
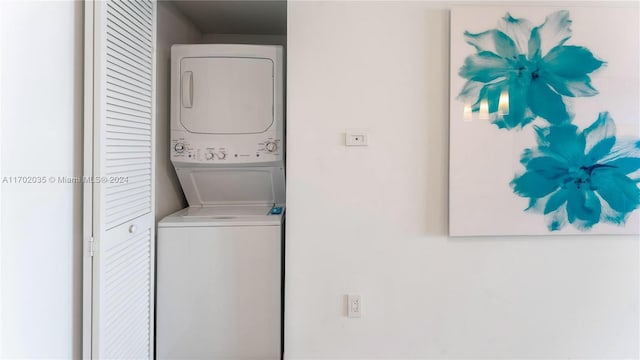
[356,138]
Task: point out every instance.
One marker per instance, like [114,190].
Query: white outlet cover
[354,305]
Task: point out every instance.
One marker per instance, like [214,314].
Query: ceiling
[264,17]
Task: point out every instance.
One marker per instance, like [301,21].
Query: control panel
[211,152]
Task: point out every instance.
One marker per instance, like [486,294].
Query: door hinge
[91,249]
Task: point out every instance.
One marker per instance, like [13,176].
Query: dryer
[227,122]
[219,261]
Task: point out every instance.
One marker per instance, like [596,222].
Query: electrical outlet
[354,305]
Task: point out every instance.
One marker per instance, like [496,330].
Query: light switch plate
[356,138]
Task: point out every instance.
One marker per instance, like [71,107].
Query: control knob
[271,146]
[179,147]
[221,155]
[209,156]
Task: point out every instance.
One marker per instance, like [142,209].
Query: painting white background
[484,159]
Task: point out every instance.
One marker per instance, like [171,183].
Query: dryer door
[226,95]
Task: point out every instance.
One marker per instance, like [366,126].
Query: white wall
[2,49]
[373,220]
[173,28]
[41,120]
[244,39]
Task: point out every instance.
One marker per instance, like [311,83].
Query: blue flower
[581,177]
[530,64]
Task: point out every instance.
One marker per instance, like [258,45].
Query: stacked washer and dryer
[219,261]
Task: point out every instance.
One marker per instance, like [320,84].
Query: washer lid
[226,95]
[226,212]
[205,186]
[213,216]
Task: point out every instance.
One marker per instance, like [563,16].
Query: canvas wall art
[544,121]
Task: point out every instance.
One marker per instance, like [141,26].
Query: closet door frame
[87,188]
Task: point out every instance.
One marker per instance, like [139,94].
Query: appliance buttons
[271,146]
[179,147]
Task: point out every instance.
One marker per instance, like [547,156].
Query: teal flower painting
[545,121]
[581,177]
[520,71]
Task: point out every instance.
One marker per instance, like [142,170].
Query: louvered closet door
[123,162]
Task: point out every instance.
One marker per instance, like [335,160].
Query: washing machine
[219,261]
[219,284]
